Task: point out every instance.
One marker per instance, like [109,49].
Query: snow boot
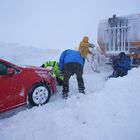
[81,91]
[64,95]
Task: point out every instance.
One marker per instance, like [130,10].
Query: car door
[11,87]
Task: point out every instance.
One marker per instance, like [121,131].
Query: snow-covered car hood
[33,67]
[43,72]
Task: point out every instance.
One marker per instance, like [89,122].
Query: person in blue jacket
[121,65]
[71,62]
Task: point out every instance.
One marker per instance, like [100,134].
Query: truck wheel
[39,94]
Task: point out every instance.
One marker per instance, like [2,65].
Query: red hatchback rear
[20,85]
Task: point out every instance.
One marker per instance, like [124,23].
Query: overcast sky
[57,23]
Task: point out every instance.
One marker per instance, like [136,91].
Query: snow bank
[108,111]
[23,55]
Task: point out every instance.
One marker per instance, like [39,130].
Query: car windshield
[3,69]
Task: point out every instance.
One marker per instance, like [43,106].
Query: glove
[43,66]
[91,45]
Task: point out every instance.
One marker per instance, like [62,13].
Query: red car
[22,85]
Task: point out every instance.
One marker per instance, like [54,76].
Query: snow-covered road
[108,111]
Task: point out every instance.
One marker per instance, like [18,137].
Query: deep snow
[108,111]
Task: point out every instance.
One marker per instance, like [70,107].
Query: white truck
[120,34]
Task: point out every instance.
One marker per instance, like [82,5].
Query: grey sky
[57,23]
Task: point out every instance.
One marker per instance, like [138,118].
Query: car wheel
[39,94]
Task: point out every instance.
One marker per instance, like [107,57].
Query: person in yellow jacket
[55,70]
[84,47]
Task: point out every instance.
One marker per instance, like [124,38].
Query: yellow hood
[85,39]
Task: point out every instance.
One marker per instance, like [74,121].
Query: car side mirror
[10,71]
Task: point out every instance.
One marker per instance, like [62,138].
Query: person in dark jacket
[71,62]
[121,65]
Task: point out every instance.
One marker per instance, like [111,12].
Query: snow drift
[108,111]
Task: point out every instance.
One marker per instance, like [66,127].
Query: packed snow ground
[108,111]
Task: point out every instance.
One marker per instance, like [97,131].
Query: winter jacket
[55,68]
[69,56]
[124,63]
[83,47]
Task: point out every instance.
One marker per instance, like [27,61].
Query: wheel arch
[32,88]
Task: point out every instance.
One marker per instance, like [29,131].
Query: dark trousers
[118,72]
[69,70]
